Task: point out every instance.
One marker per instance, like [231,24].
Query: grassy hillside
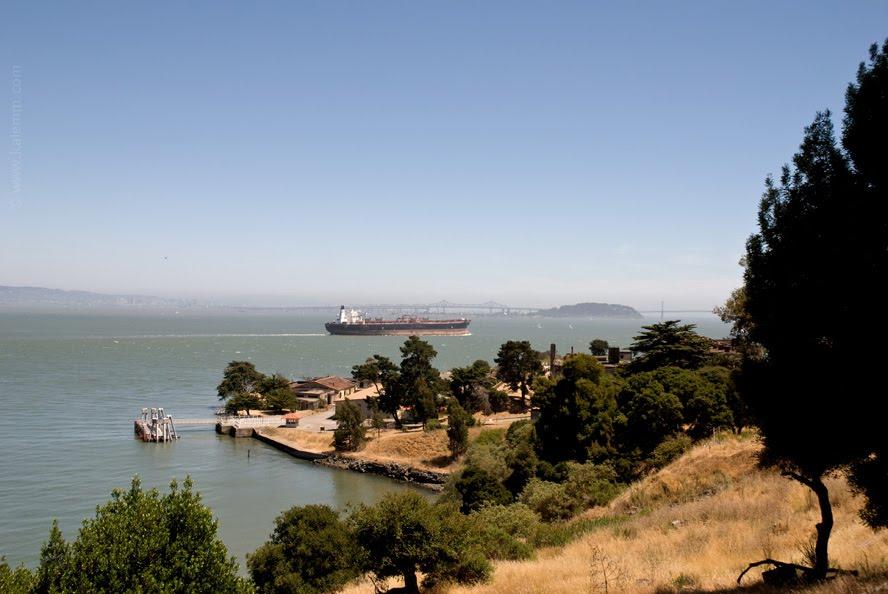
[693,526]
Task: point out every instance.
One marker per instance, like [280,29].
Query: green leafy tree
[240,377]
[668,344]
[477,488]
[498,400]
[385,377]
[310,551]
[377,420]
[15,581]
[577,412]
[280,399]
[598,347]
[350,432]
[649,414]
[246,401]
[517,364]
[404,534]
[273,383]
[725,380]
[142,541]
[458,421]
[813,279]
[470,383]
[419,382]
[704,405]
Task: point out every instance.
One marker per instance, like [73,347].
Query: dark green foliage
[649,414]
[385,377]
[668,344]
[813,281]
[246,401]
[350,432]
[15,581]
[240,377]
[142,541]
[578,412]
[522,461]
[704,404]
[498,400]
[377,420]
[517,364]
[424,401]
[587,485]
[598,347]
[503,531]
[404,534]
[477,488]
[310,551]
[725,380]
[280,399]
[471,384]
[670,449]
[273,383]
[458,421]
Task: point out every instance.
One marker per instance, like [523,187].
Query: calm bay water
[71,384]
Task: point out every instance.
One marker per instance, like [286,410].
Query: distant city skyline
[323,153]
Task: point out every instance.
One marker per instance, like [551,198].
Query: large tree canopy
[517,363]
[669,344]
[142,541]
[812,292]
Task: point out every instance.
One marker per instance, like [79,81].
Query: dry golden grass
[694,526]
[308,441]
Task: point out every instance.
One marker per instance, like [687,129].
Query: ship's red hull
[400,328]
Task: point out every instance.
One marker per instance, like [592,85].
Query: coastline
[308,447]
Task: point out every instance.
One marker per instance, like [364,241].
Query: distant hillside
[40,296]
[591,310]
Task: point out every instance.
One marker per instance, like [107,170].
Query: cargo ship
[352,323]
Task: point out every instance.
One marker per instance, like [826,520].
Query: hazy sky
[528,152]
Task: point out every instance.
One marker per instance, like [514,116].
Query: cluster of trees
[314,550]
[243,387]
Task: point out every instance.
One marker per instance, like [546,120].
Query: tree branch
[806,570]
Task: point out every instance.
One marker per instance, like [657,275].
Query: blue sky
[313,152]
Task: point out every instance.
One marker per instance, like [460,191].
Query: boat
[352,322]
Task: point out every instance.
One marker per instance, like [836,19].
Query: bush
[310,551]
[432,425]
[177,544]
[491,437]
[670,449]
[458,421]
[15,581]
[589,485]
[478,488]
[549,500]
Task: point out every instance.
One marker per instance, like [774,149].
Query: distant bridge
[443,307]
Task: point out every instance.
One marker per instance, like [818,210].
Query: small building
[291,419]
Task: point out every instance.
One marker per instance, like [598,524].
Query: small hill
[591,310]
[43,297]
[694,526]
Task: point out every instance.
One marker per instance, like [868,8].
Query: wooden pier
[153,425]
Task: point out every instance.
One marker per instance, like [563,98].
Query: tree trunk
[410,584]
[824,528]
[523,387]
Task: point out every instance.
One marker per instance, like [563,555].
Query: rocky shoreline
[421,478]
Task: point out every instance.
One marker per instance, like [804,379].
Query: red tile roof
[334,383]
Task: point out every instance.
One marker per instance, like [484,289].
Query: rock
[425,478]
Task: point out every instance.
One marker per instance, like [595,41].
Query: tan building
[327,389]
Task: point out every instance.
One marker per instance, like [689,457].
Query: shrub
[549,500]
[590,484]
[15,581]
[478,488]
[670,449]
[310,551]
[458,421]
